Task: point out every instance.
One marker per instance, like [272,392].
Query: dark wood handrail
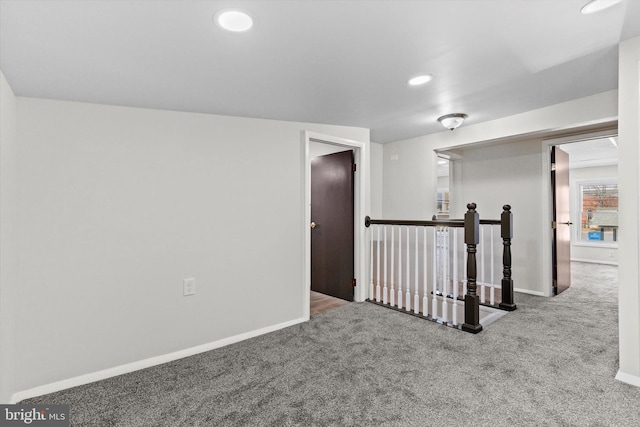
[424,223]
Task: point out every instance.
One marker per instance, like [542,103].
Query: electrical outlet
[189,286]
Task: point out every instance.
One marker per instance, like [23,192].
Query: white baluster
[445,258]
[492,289]
[416,295]
[378,265]
[434,275]
[371,296]
[408,295]
[455,276]
[384,290]
[400,267]
[425,298]
[482,282]
[393,261]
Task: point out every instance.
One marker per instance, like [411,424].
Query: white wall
[443,182]
[410,180]
[8,259]
[508,174]
[579,250]
[118,205]
[376,155]
[628,185]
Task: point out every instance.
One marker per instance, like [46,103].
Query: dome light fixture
[595,6]
[233,20]
[420,80]
[452,121]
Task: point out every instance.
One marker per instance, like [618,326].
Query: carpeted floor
[550,363]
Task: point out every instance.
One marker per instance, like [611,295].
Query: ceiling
[595,152]
[334,62]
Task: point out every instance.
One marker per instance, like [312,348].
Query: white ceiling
[595,152]
[336,62]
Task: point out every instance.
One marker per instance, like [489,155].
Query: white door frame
[361,178]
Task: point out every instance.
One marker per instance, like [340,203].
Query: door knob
[553,224]
[312,225]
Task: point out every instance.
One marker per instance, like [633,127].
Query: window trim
[576,237]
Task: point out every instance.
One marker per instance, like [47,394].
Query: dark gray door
[332,226]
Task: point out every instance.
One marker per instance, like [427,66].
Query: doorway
[586,230]
[361,159]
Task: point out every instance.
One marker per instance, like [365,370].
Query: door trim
[547,198]
[361,158]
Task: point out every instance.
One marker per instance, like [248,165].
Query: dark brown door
[561,224]
[332,226]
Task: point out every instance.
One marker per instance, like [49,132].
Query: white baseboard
[591,261]
[628,378]
[146,363]
[530,292]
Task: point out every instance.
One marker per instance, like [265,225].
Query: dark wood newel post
[506,232]
[471,300]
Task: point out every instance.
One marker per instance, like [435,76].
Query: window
[599,212]
[442,201]
[442,194]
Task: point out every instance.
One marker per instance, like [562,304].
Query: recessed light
[233,20]
[420,80]
[598,5]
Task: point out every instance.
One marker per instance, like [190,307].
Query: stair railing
[438,285]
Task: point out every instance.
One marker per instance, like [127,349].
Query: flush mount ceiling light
[452,121]
[233,20]
[420,80]
[598,5]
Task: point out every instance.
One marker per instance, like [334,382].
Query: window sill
[604,245]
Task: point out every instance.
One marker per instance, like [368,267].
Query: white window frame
[578,210]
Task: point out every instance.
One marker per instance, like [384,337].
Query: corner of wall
[8,197]
[629,179]
[376,178]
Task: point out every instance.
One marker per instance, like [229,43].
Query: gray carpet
[550,363]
